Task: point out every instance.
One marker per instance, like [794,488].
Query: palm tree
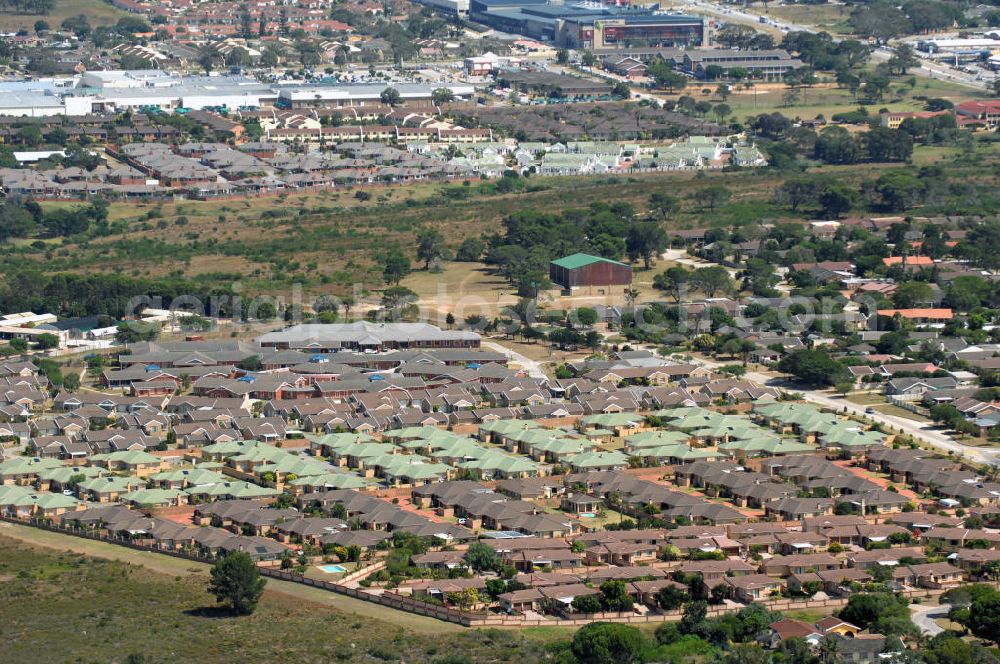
[829,651]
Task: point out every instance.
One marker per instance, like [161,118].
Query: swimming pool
[332,569]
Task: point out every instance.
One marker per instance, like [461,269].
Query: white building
[309,95]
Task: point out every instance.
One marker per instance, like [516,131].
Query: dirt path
[533,368]
[169,565]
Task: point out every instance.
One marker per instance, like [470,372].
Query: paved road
[924,617]
[533,368]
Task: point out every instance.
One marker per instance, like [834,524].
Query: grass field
[61,606]
[827,100]
[830,18]
[896,411]
[865,398]
[328,242]
[97,12]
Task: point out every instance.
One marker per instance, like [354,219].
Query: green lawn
[59,606]
[896,411]
[831,18]
[97,12]
[865,398]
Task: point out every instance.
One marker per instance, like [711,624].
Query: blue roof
[246,379]
[376,377]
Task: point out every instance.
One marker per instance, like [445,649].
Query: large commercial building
[591,25]
[367,337]
[111,91]
[586,271]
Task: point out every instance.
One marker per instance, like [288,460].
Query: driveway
[924,617]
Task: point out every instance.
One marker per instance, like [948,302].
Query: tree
[587,603]
[721,112]
[712,280]
[615,597]
[78,25]
[735,35]
[71,381]
[442,96]
[899,191]
[430,246]
[911,294]
[607,643]
[671,598]
[884,144]
[693,621]
[471,250]
[395,297]
[984,618]
[30,135]
[838,199]
[46,341]
[481,557]
[390,96]
[834,145]
[746,653]
[664,77]
[236,581]
[251,363]
[714,195]
[645,240]
[395,266]
[586,316]
[796,650]
[903,59]
[799,191]
[885,613]
[206,58]
[813,367]
[674,280]
[665,204]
